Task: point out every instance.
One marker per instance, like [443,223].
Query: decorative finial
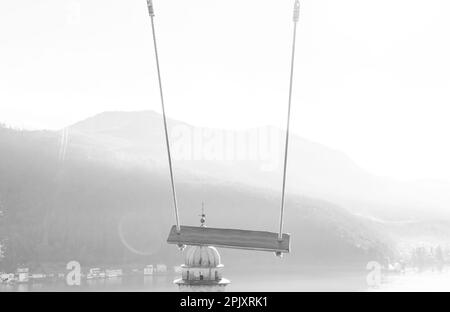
[203,215]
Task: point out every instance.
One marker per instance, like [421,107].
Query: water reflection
[417,281]
[312,280]
[126,283]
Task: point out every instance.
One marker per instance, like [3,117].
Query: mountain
[98,192]
[254,157]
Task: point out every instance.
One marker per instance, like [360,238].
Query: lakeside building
[23,275]
[148,270]
[161,268]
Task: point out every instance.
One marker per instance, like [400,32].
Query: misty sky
[372,77]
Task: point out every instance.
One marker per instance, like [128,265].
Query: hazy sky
[372,77]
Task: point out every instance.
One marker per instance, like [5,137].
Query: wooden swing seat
[229,238]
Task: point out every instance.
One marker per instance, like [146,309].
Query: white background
[372,77]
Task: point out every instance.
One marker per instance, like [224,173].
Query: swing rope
[286,146]
[177,219]
[169,156]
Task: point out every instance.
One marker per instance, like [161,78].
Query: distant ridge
[313,169]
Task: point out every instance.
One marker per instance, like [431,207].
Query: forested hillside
[57,210]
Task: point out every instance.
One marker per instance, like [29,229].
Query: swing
[278,243]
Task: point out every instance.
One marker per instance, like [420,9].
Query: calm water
[413,281]
[311,281]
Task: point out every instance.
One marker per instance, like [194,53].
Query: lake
[311,280]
